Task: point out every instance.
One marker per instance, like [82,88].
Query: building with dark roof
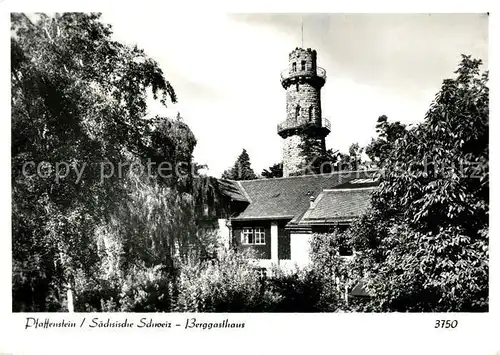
[275,218]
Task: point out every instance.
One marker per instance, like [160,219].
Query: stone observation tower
[302,81]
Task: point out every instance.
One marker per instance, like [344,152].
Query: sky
[225,69]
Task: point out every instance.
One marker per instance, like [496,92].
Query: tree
[275,171]
[317,160]
[78,116]
[321,161]
[241,169]
[424,242]
[337,273]
[352,161]
[388,132]
[170,152]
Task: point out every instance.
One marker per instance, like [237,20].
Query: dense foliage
[232,283]
[387,134]
[318,160]
[226,284]
[339,274]
[91,204]
[424,243]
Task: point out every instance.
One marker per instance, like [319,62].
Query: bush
[226,284]
[232,284]
[299,291]
[141,289]
[334,272]
[146,290]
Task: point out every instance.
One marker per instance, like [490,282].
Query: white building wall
[299,248]
[224,232]
[274,242]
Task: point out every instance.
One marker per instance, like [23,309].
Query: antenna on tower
[302,30]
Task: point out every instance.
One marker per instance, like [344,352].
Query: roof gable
[233,190]
[338,205]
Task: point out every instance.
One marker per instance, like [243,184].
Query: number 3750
[446,323]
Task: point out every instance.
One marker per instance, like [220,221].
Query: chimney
[311,200]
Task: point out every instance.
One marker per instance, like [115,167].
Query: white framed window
[260,236]
[253,236]
[247,236]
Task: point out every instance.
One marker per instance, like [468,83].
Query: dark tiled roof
[357,183]
[289,197]
[338,205]
[233,190]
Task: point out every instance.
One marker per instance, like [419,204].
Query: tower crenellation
[303,81]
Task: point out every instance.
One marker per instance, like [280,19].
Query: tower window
[297,86]
[297,112]
[303,65]
[310,113]
[294,66]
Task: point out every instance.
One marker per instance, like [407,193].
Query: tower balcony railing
[287,73]
[285,125]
